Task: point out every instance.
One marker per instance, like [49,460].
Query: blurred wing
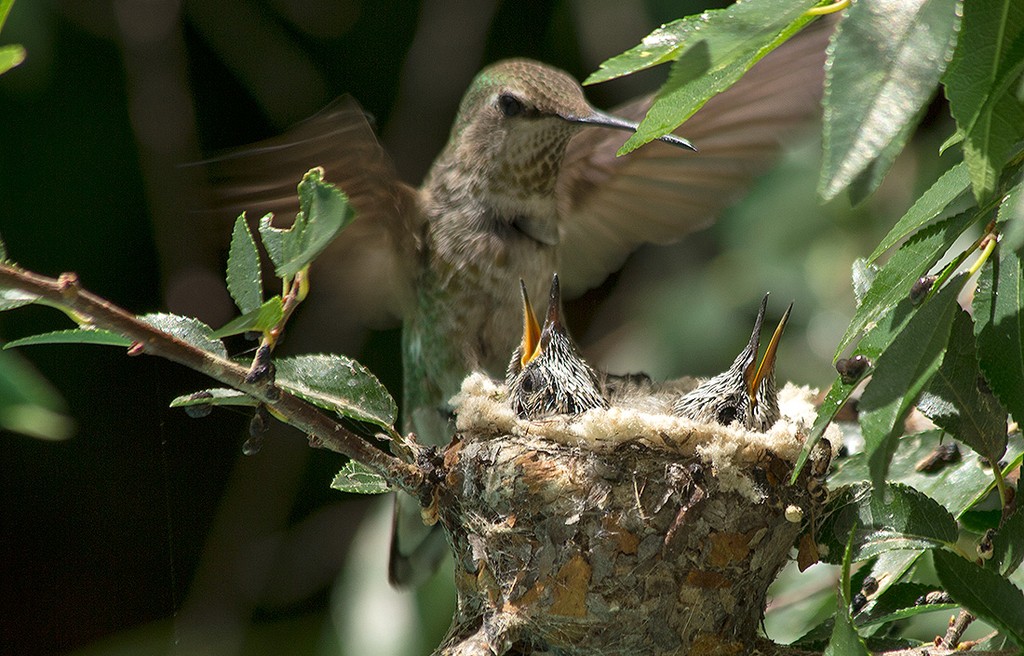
[367,269]
[659,193]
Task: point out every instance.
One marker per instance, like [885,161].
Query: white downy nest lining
[482,409]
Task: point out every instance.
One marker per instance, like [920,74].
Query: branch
[66,291]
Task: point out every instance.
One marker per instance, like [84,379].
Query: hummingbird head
[745,392]
[517,118]
[547,375]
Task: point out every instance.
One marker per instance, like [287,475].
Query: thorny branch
[66,291]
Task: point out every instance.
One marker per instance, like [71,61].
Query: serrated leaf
[244,275]
[187,329]
[954,401]
[890,517]
[340,384]
[950,195]
[983,592]
[730,41]
[978,86]
[998,302]
[1008,545]
[214,396]
[902,372]
[359,479]
[957,486]
[324,212]
[72,336]
[262,318]
[15,298]
[883,66]
[845,641]
[894,280]
[898,603]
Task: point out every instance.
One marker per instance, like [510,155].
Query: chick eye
[510,105]
[727,414]
[529,382]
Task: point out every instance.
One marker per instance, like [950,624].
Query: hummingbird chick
[745,392]
[547,376]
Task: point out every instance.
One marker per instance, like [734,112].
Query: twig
[956,629]
[66,291]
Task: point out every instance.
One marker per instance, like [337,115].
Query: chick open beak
[531,330]
[753,377]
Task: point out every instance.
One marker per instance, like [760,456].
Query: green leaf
[997,314]
[244,276]
[187,329]
[720,46]
[3,251]
[263,318]
[339,384]
[845,640]
[73,336]
[28,404]
[359,479]
[1011,219]
[911,261]
[324,212]
[902,372]
[5,10]
[15,298]
[957,487]
[883,66]
[983,592]
[979,88]
[954,401]
[950,195]
[863,275]
[898,603]
[11,56]
[1008,545]
[890,517]
[214,396]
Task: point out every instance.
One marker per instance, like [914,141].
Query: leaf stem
[990,245]
[837,6]
[66,291]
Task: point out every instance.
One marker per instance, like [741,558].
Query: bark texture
[642,544]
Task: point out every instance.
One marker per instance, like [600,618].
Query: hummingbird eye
[510,105]
[528,382]
[727,414]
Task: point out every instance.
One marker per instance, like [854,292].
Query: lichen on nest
[482,410]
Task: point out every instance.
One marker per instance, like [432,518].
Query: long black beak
[553,321]
[600,119]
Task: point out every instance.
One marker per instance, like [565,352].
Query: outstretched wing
[610,205]
[367,269]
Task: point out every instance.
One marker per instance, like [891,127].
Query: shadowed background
[150,531]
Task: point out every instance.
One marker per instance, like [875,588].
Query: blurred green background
[149,532]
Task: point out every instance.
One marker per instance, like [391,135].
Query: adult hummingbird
[547,375]
[743,393]
[527,184]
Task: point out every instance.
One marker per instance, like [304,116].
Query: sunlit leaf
[884,65]
[1011,219]
[979,86]
[339,384]
[187,329]
[11,56]
[359,479]
[264,317]
[983,592]
[73,336]
[863,275]
[15,298]
[950,195]
[902,372]
[844,640]
[214,396]
[911,261]
[955,400]
[727,43]
[998,304]
[28,404]
[325,211]
[892,517]
[244,276]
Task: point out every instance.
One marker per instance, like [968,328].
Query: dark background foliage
[149,521]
